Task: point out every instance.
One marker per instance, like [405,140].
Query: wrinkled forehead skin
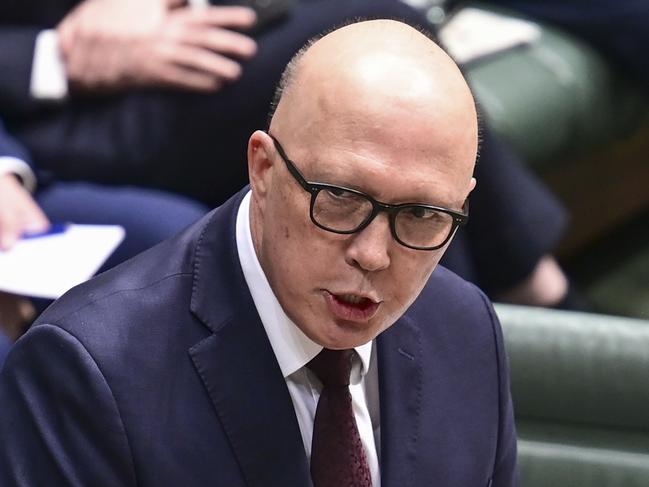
[383,87]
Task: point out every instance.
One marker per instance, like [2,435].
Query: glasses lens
[424,227]
[340,210]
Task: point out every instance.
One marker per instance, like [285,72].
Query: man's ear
[260,164]
[472,185]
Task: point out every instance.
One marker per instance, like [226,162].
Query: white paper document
[47,266]
[473,33]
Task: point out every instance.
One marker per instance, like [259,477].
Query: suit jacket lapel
[400,388]
[237,364]
[252,402]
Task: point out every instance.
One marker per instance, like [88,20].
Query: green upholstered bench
[576,121]
[580,384]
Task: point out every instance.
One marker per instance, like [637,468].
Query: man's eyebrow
[318,173]
[405,200]
[315,170]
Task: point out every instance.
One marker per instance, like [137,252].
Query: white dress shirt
[293,350]
[48,80]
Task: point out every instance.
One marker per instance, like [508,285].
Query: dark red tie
[337,455]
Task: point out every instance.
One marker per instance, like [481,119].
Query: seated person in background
[515,222]
[148,216]
[18,214]
[222,357]
[106,117]
[620,29]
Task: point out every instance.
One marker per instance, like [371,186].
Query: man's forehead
[371,94]
[414,113]
[399,178]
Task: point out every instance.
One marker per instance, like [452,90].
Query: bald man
[301,334]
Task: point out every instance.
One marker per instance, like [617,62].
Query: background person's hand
[116,44]
[19,213]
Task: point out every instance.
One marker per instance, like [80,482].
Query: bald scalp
[379,62]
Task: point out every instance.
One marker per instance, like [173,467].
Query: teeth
[351,298]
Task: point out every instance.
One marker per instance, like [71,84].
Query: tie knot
[332,367]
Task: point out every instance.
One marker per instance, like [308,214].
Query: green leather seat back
[580,384]
[579,367]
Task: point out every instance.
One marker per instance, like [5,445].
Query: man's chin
[344,334]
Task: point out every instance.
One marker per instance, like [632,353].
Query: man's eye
[338,193]
[422,213]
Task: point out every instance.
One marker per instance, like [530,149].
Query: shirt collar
[292,348]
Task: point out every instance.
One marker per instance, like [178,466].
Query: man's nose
[369,248]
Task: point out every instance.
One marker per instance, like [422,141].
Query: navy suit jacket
[159,373]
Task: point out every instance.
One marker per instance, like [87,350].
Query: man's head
[376,107]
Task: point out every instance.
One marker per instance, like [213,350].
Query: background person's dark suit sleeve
[9,147]
[511,212]
[16,57]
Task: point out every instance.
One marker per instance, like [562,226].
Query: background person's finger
[222,40]
[185,78]
[207,61]
[232,17]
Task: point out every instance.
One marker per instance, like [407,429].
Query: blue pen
[53,230]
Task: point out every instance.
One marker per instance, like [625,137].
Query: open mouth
[352,307]
[353,300]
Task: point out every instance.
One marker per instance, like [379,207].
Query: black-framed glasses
[344,210]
